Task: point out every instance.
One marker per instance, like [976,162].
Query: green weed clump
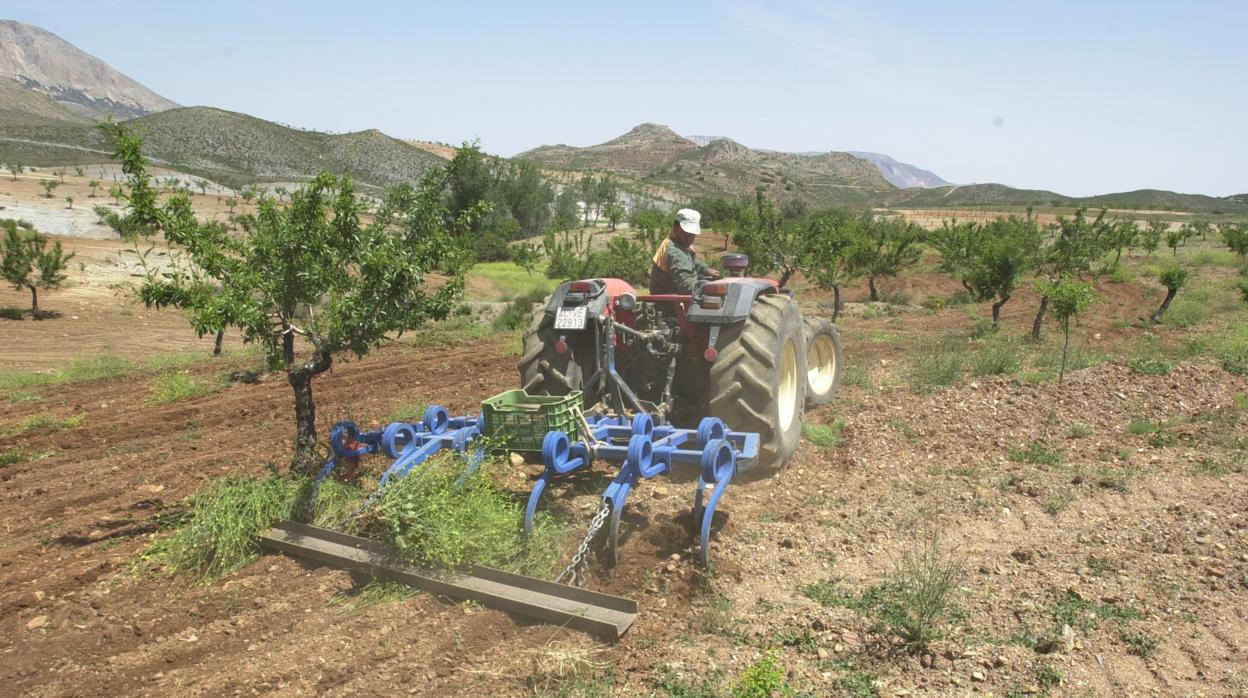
[911,608]
[1037,453]
[519,312]
[827,437]
[11,456]
[934,368]
[375,593]
[172,387]
[219,531]
[997,357]
[764,679]
[433,519]
[1146,366]
[46,422]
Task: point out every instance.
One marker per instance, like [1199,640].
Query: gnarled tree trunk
[875,295]
[996,311]
[1035,326]
[300,379]
[1170,293]
[836,302]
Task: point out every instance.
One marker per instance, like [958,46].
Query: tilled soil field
[1100,557]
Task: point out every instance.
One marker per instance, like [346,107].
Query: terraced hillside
[227,147]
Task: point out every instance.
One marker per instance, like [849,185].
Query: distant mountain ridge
[82,83]
[900,174]
[652,154]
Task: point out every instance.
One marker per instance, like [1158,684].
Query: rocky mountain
[21,105]
[636,153]
[901,175]
[85,85]
[654,155]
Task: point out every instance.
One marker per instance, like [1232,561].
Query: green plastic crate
[517,421]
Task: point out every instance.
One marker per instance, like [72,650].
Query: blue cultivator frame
[642,449]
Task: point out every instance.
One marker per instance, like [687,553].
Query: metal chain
[575,571]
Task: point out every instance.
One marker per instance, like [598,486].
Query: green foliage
[1140,644]
[27,262]
[827,437]
[1236,237]
[519,312]
[996,357]
[1147,366]
[431,519]
[219,531]
[763,679]
[934,367]
[989,259]
[12,456]
[377,592]
[885,248]
[44,422]
[171,387]
[1068,297]
[310,269]
[1072,609]
[772,244]
[650,224]
[914,603]
[571,257]
[1037,453]
[1048,676]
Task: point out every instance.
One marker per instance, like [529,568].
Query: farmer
[676,267]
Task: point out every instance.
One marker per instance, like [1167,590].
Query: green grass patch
[410,412]
[1146,366]
[1037,453]
[1078,430]
[175,360]
[12,456]
[1140,644]
[46,422]
[857,684]
[1076,360]
[856,376]
[1056,503]
[1211,258]
[1116,480]
[1210,467]
[1122,274]
[376,592]
[1100,565]
[458,330]
[763,679]
[1186,311]
[827,437]
[997,357]
[94,368]
[1142,426]
[519,312]
[172,387]
[933,368]
[511,280]
[1072,609]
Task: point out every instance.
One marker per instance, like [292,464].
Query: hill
[1001,195]
[227,147]
[900,174]
[654,155]
[83,84]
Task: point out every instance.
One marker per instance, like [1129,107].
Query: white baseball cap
[690,221]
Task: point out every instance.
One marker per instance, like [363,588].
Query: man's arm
[682,269]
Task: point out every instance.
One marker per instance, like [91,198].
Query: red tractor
[738,349]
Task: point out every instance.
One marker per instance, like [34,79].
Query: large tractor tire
[543,370]
[824,361]
[758,383]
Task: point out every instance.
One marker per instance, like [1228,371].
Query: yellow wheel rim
[821,361]
[787,392]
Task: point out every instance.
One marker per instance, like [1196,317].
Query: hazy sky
[1077,97]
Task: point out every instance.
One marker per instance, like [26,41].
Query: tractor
[737,349]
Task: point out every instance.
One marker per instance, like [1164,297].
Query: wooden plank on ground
[600,614]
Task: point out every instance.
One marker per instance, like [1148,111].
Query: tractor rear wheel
[543,370]
[824,361]
[758,382]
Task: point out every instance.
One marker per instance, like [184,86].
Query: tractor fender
[738,300]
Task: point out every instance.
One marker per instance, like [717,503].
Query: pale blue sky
[1077,97]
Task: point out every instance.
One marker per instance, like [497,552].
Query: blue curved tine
[638,462]
[709,429]
[719,464]
[560,457]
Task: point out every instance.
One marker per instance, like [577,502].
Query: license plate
[570,318]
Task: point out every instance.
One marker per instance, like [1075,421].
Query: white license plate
[570,318]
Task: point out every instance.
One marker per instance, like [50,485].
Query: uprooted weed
[433,517]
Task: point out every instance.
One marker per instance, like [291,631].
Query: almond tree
[989,259]
[29,264]
[48,185]
[15,170]
[308,281]
[1076,244]
[1173,279]
[886,247]
[1069,297]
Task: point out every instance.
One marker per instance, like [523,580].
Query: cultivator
[613,376]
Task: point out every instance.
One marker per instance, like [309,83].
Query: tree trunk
[1061,375]
[836,302]
[216,346]
[996,312]
[300,379]
[1170,293]
[875,295]
[34,302]
[784,277]
[1035,325]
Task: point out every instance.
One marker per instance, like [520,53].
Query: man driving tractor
[676,268]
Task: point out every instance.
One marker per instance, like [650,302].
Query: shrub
[171,387]
[933,303]
[519,312]
[962,297]
[896,297]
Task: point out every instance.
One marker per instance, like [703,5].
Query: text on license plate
[570,318]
